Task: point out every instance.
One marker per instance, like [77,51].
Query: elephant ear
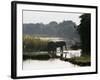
[51,45]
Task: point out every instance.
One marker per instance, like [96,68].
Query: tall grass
[32,43]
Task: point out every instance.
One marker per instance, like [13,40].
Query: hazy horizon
[47,17]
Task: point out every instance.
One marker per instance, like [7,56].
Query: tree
[84,30]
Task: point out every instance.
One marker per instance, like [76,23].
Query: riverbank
[81,61]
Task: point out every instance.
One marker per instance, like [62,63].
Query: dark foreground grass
[81,61]
[37,57]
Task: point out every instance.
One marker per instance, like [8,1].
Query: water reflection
[55,63]
[47,64]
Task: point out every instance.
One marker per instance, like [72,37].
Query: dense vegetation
[31,43]
[84,30]
[81,61]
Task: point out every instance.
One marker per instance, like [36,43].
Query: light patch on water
[53,38]
[48,64]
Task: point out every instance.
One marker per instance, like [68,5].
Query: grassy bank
[81,61]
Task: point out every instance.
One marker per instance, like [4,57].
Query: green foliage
[84,60]
[31,43]
[84,31]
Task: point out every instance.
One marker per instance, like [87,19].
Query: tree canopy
[84,30]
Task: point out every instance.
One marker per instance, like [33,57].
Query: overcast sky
[47,17]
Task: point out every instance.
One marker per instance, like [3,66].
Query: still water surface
[56,63]
[46,64]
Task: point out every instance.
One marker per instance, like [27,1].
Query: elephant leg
[54,53]
[61,56]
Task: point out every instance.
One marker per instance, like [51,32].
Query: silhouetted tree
[84,30]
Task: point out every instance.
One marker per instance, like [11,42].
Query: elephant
[60,44]
[52,46]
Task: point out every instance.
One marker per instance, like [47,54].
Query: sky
[47,17]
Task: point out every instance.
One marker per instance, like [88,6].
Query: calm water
[48,64]
[30,64]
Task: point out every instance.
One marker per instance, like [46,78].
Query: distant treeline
[64,29]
